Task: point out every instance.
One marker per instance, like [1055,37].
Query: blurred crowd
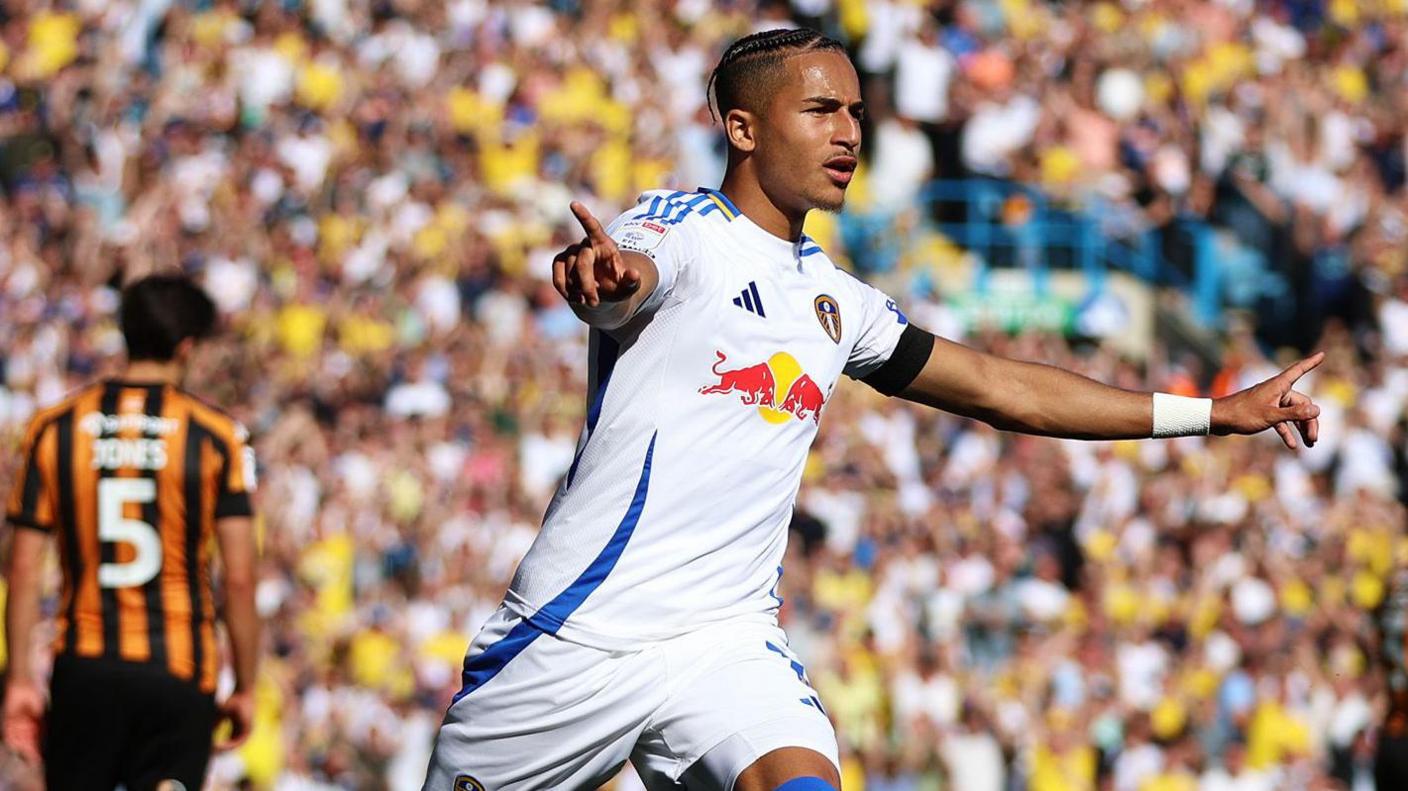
[373,192]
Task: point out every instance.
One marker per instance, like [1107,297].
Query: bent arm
[606,315]
[1030,398]
[237,556]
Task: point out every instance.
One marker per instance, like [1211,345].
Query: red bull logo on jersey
[779,388]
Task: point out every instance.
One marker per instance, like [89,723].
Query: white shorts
[540,712]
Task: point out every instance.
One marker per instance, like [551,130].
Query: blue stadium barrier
[1007,224]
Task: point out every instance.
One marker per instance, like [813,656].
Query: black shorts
[1391,752]
[1391,761]
[113,722]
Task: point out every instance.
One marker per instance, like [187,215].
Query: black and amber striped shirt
[131,477]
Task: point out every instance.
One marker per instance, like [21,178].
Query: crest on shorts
[468,783]
[829,314]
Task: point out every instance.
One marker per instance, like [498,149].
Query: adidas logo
[750,300]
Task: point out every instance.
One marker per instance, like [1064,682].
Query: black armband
[911,353]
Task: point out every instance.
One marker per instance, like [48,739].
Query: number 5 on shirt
[113,494]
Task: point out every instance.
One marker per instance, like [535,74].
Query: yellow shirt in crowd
[1071,770]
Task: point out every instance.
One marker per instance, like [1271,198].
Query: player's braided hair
[748,59]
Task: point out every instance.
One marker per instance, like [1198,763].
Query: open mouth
[840,169]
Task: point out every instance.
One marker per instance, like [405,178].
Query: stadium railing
[1009,224]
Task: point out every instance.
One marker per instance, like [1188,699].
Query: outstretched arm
[1040,399]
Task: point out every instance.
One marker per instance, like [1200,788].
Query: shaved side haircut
[751,66]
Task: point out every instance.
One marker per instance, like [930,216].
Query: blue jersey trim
[724,198]
[721,200]
[671,209]
[806,251]
[660,208]
[806,784]
[685,208]
[607,350]
[552,616]
[479,669]
[670,205]
[799,669]
[796,666]
[484,666]
[650,212]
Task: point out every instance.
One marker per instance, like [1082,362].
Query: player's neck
[152,371]
[750,199]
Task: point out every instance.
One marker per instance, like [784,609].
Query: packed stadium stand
[1161,194]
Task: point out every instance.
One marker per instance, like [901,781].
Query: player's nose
[846,131]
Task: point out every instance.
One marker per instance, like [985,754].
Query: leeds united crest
[829,314]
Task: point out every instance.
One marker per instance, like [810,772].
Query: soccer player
[642,623]
[134,477]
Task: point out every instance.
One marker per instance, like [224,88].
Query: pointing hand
[593,270]
[1272,404]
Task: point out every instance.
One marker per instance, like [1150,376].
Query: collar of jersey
[721,200]
[740,221]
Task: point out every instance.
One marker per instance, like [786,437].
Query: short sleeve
[881,323]
[31,497]
[237,477]
[667,242]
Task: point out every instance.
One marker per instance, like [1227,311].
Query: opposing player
[134,477]
[642,624]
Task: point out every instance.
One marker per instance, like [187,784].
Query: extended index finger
[595,233]
[1303,367]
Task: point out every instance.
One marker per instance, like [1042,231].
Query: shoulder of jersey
[847,282]
[70,400]
[812,253]
[43,417]
[809,248]
[671,208]
[223,420]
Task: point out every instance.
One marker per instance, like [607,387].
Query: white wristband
[1180,416]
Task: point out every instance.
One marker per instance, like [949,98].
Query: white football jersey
[701,410]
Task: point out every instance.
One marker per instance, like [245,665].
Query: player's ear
[182,353]
[741,127]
